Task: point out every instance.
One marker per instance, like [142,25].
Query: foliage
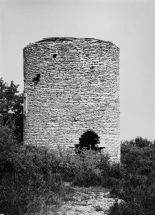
[26,176]
[126,209]
[11,108]
[65,165]
[136,184]
[90,168]
[85,169]
[84,166]
[31,177]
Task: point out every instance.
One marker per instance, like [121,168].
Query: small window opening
[54,55]
[36,79]
[88,140]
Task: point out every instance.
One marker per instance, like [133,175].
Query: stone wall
[72,85]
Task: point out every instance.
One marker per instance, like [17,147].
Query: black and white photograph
[77,107]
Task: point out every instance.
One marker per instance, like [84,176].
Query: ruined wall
[72,85]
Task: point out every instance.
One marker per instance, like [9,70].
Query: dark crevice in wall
[54,55]
[36,79]
[92,67]
[74,119]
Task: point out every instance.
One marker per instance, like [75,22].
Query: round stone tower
[71,86]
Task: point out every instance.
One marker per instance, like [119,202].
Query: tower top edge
[62,39]
[49,39]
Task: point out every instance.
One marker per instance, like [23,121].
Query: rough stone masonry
[71,85]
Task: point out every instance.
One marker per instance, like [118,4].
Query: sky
[129,24]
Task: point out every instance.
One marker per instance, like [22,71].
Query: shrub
[26,176]
[65,163]
[126,209]
[137,182]
[90,168]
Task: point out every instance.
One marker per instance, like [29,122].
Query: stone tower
[71,85]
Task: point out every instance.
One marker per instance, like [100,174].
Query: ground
[84,201]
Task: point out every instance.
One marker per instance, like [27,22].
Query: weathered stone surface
[72,85]
[90,201]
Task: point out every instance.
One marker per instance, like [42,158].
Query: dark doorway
[88,140]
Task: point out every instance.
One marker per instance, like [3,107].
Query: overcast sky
[128,24]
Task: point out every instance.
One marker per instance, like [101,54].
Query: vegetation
[136,184]
[29,182]
[11,108]
[31,177]
[27,179]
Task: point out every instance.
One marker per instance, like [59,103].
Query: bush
[126,209]
[65,164]
[27,176]
[90,168]
[136,184]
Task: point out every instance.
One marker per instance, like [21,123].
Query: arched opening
[88,140]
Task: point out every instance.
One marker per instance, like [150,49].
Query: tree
[11,108]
